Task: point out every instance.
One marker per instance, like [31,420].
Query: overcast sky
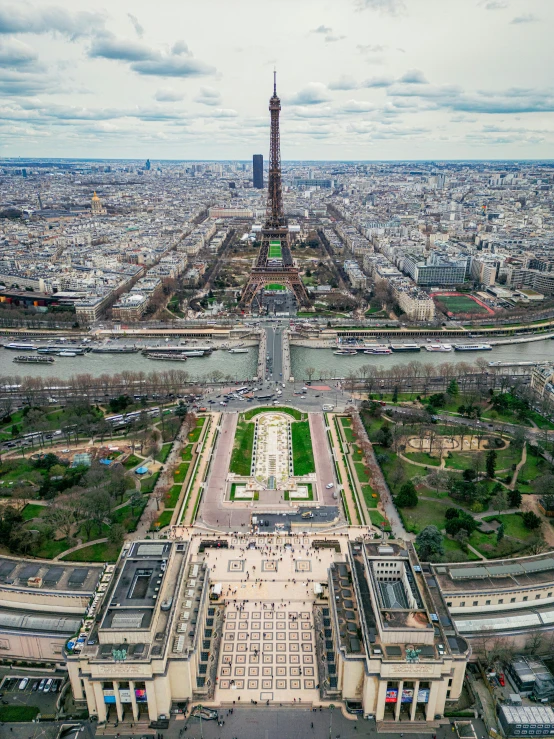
[358,79]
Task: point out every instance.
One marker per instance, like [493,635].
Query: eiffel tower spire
[275,217]
[274,264]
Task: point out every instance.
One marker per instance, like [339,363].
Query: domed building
[96,206]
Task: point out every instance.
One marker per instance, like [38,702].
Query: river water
[237,366]
[340,366]
[244,366]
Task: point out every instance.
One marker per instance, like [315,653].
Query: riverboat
[439,347]
[167,357]
[35,359]
[108,349]
[238,350]
[405,347]
[345,352]
[472,347]
[378,350]
[15,346]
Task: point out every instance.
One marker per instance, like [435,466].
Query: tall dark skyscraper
[147,165]
[258,168]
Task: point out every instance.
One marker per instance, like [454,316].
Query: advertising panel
[407,695]
[391,695]
[423,695]
[140,695]
[125,695]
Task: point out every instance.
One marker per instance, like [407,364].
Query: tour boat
[20,347]
[34,359]
[439,347]
[168,357]
[238,350]
[472,347]
[345,352]
[405,347]
[378,350]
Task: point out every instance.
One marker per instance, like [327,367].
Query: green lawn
[347,429]
[423,457]
[132,461]
[186,454]
[297,415]
[241,456]
[33,511]
[452,548]
[194,435]
[513,525]
[18,713]
[126,517]
[505,458]
[368,494]
[460,460]
[275,251]
[164,519]
[302,452]
[274,286]
[172,496]
[51,548]
[426,513]
[362,471]
[391,467]
[163,454]
[104,552]
[377,519]
[147,485]
[181,472]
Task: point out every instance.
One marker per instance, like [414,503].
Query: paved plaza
[268,649]
[267,653]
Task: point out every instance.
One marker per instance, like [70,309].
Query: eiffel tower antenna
[274,264]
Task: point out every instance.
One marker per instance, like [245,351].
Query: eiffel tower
[274,265]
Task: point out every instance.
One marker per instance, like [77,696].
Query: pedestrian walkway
[348,494]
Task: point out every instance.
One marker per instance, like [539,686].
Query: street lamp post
[331,709]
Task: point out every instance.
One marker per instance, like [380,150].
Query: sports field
[275,250]
[460,304]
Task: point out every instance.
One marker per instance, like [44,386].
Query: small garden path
[80,545]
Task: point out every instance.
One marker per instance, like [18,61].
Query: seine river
[340,366]
[243,366]
[237,366]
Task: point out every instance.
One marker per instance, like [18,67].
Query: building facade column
[414,701]
[133,700]
[100,703]
[152,702]
[433,694]
[118,706]
[398,701]
[381,696]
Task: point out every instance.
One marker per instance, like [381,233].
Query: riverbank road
[212,512]
[323,457]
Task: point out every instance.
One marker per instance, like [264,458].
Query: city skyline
[375,80]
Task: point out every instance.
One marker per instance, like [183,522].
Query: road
[212,512]
[324,467]
[274,365]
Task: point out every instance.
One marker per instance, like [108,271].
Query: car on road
[222,402]
[330,485]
